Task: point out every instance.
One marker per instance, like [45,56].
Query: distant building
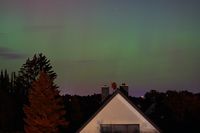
[118,115]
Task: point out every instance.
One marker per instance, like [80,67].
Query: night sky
[148,44]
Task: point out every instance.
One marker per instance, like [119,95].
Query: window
[120,128]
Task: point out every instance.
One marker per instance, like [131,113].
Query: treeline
[10,116]
[172,111]
[16,94]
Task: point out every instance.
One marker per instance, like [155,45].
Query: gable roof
[126,98]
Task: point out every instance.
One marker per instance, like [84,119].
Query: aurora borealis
[148,44]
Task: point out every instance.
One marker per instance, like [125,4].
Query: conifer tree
[30,70]
[8,115]
[27,74]
[45,112]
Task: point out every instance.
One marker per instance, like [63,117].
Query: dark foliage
[30,70]
[174,111]
[14,91]
[26,76]
[8,104]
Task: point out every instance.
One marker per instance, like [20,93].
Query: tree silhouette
[30,70]
[8,106]
[45,112]
[26,75]
[4,80]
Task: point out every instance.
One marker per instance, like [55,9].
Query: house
[118,115]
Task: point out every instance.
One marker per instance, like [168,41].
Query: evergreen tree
[27,74]
[4,80]
[30,70]
[8,113]
[44,113]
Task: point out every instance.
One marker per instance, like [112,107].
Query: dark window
[120,128]
[106,128]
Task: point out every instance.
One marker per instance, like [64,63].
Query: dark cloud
[6,53]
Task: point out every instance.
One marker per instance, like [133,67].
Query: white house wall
[118,111]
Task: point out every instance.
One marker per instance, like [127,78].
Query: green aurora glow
[148,45]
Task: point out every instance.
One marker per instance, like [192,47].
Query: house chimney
[124,88]
[104,92]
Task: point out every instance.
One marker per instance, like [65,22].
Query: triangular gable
[118,110]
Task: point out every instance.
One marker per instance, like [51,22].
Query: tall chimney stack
[104,92]
[124,88]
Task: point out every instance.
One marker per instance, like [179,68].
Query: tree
[30,70]
[27,74]
[7,102]
[45,112]
[4,80]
